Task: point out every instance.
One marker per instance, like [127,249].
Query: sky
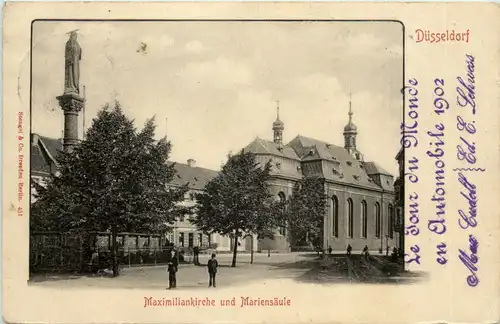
[213,86]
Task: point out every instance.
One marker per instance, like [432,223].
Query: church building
[360,193]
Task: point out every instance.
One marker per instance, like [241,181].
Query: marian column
[70,101]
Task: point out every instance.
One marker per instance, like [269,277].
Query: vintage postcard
[251,162]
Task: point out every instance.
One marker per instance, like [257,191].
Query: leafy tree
[306,211]
[238,201]
[114,180]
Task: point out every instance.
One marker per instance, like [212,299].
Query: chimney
[191,163]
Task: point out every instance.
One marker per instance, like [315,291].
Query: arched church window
[282,199]
[364,220]
[390,222]
[334,202]
[350,218]
[378,224]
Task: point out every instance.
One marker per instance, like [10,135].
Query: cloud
[395,50]
[223,73]
[195,47]
[318,85]
[222,99]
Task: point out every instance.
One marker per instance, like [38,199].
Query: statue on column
[72,56]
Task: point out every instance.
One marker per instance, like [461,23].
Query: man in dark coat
[366,253]
[212,266]
[196,254]
[349,250]
[172,271]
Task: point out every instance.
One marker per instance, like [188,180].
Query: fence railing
[54,252]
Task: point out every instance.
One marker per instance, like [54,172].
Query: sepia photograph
[196,154]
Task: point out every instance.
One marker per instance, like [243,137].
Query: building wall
[357,196]
[185,234]
[280,242]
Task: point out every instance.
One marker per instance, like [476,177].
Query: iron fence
[55,252]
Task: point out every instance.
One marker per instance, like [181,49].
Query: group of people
[173,266]
[396,253]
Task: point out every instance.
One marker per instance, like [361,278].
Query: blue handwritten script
[436,152]
[468,219]
[470,260]
[409,129]
[409,132]
[466,150]
[466,89]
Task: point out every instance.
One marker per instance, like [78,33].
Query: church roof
[353,171]
[326,151]
[196,177]
[44,150]
[374,168]
[260,146]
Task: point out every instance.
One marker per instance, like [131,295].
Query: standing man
[196,253]
[365,252]
[212,266]
[172,270]
[349,249]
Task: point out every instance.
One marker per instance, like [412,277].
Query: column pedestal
[71,104]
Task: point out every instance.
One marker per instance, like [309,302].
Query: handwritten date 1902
[470,261]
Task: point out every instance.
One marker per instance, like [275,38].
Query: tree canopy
[115,179]
[306,211]
[238,201]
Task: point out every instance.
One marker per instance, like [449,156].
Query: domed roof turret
[278,124]
[350,127]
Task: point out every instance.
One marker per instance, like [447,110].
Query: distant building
[399,201]
[43,164]
[360,194]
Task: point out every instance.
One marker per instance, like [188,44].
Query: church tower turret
[350,133]
[278,127]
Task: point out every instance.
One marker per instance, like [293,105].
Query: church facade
[361,199]
[360,194]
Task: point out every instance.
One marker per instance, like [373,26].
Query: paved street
[302,267]
[191,276]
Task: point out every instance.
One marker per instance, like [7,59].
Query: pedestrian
[330,250]
[196,253]
[394,255]
[349,249]
[387,251]
[212,266]
[172,270]
[95,261]
[365,252]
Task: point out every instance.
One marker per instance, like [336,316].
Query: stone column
[71,104]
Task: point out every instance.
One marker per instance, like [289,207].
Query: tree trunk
[114,251]
[235,249]
[251,253]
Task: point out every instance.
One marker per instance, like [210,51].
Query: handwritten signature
[468,219]
[467,97]
[470,261]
